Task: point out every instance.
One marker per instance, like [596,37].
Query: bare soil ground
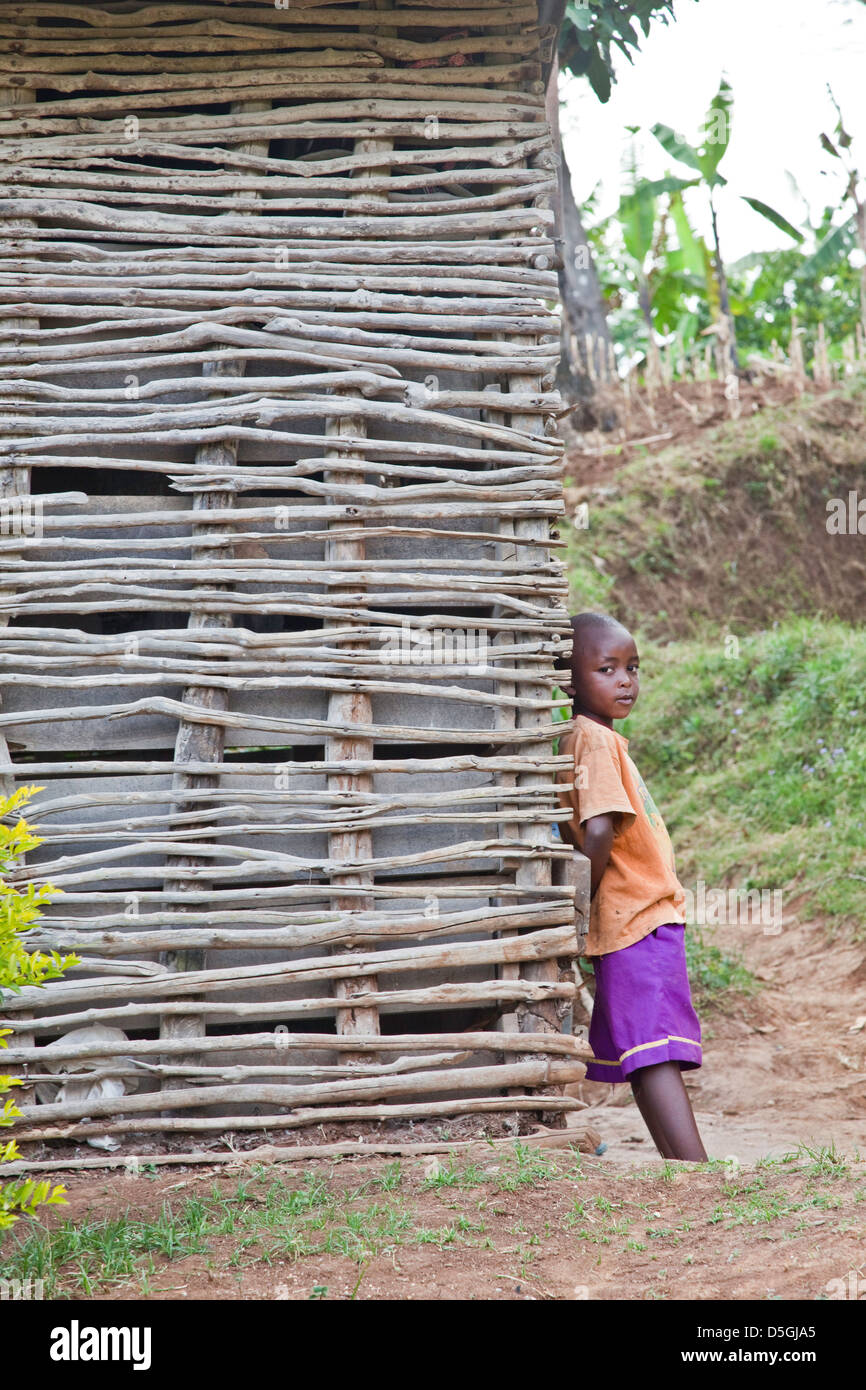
[781,1071]
[696,520]
[682,414]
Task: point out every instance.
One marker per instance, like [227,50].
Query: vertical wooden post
[203,742]
[506,718]
[541,1016]
[823,375]
[352,707]
[795,353]
[708,373]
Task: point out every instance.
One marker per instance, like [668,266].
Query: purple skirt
[643,1010]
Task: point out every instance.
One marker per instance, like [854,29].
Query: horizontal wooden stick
[430,16]
[301,889]
[347,642]
[544,1072]
[86,576]
[120,178]
[299,388]
[299,201]
[342,75]
[107,597]
[368,1113]
[389,309]
[497,992]
[291,47]
[420,356]
[288,930]
[459,694]
[563,1044]
[50,602]
[514,154]
[447,569]
[363,114]
[23,668]
[248,71]
[539,945]
[96,217]
[73,937]
[349,342]
[137,1069]
[190,12]
[295,536]
[301,1153]
[228,719]
[270,820]
[279,799]
[520,249]
[205,824]
[104,21]
[271,808]
[491,255]
[80,871]
[410,766]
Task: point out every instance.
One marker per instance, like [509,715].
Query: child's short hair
[581,624]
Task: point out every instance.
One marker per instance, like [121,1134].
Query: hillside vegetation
[750,726]
[727,532]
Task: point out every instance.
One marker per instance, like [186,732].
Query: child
[644,1028]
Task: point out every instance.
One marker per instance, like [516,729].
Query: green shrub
[19,911]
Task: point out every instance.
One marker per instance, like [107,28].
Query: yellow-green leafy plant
[19,911]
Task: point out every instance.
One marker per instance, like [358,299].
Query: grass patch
[715,975]
[659,1216]
[268,1219]
[757,757]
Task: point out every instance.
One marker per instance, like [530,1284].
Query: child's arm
[598,838]
[566,834]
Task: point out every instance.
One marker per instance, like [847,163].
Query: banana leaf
[693,259]
[840,241]
[775,217]
[680,149]
[717,133]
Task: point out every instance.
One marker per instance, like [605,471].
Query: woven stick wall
[279,607]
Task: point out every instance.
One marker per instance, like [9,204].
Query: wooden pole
[354,707]
[198,742]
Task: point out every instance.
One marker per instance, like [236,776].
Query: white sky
[778,56]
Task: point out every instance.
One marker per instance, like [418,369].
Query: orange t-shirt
[639,889]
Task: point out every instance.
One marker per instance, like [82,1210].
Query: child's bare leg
[650,1118]
[664,1103]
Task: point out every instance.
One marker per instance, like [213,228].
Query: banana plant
[664,275]
[851,233]
[590,34]
[705,159]
[638,212]
[695,258]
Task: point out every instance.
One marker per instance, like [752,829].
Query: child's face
[605,675]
